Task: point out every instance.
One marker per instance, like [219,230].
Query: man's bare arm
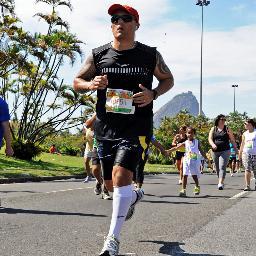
[82,82]
[165,78]
[86,79]
[163,74]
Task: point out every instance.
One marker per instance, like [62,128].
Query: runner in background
[232,160]
[247,152]
[89,152]
[219,138]
[191,160]
[100,188]
[180,138]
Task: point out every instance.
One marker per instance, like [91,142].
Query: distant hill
[184,101]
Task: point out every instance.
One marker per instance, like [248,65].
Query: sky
[174,27]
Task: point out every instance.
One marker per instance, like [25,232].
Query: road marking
[239,195]
[65,190]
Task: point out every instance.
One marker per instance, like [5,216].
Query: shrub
[25,150]
[155,158]
[70,150]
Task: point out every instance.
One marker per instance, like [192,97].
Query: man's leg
[126,159]
[122,199]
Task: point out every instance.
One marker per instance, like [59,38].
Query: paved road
[65,218]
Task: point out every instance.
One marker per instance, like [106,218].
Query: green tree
[43,103]
[236,121]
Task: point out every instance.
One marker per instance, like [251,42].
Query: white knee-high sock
[122,198]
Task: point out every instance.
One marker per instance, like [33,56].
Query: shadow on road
[173,248]
[166,202]
[20,191]
[203,196]
[155,183]
[28,211]
[177,196]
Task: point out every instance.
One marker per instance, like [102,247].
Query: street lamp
[234,86]
[202,3]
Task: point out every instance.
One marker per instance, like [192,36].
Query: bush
[70,150]
[159,159]
[25,150]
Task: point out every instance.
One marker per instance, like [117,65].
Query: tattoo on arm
[88,71]
[163,68]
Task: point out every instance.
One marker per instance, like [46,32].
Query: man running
[122,73]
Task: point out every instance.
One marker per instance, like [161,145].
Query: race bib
[248,144]
[119,101]
[192,156]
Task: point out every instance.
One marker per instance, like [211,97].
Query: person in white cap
[122,73]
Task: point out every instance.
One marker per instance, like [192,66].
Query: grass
[45,165]
[159,168]
[55,165]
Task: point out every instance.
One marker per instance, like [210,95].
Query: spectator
[5,127]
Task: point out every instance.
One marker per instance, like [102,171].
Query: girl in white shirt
[191,160]
[248,151]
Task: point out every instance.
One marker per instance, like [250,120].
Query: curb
[39,179]
[52,178]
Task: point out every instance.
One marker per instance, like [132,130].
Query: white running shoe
[220,186]
[105,195]
[111,247]
[87,179]
[140,194]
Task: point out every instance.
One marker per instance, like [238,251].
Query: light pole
[234,86]
[202,3]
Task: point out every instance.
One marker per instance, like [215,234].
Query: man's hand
[9,151]
[99,83]
[143,98]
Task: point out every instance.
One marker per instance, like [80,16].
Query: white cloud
[238,8]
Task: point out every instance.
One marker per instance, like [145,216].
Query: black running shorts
[124,152]
[179,155]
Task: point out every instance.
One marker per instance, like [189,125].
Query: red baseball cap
[118,7]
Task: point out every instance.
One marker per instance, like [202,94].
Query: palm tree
[7,6]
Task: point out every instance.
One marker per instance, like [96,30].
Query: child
[191,161]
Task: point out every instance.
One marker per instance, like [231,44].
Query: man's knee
[121,176]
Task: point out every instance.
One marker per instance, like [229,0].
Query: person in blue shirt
[5,127]
[232,159]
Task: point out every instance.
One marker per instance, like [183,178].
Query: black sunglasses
[125,18]
[223,119]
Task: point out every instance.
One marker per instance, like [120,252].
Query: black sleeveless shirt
[125,70]
[221,139]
